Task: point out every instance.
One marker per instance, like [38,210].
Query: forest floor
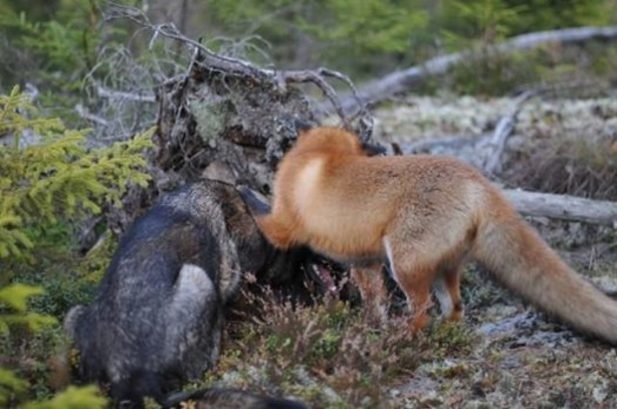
[505,354]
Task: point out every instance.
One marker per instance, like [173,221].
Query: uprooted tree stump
[241,121]
[227,119]
[235,125]
[213,117]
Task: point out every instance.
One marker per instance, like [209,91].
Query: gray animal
[157,318]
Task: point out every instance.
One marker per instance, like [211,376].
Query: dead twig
[309,76]
[87,115]
[113,94]
[497,142]
[235,66]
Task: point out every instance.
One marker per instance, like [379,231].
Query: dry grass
[574,166]
[328,354]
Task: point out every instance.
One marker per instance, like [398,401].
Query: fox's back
[366,186]
[352,202]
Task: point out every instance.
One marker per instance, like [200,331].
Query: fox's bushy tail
[522,261]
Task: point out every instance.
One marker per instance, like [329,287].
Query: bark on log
[401,80]
[564,207]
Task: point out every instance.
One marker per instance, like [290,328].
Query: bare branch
[497,143]
[85,114]
[113,94]
[234,66]
[399,81]
[314,77]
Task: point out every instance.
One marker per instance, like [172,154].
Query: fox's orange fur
[424,215]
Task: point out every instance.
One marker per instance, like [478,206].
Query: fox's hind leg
[372,290]
[448,293]
[453,285]
[416,285]
[415,276]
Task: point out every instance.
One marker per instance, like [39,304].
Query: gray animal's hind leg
[193,322]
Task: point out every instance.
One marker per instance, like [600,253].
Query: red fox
[424,216]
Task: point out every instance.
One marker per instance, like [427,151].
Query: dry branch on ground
[402,80]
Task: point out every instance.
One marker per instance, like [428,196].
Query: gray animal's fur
[157,318]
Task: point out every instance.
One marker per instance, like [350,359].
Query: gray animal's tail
[222,398]
[72,319]
[522,261]
[257,204]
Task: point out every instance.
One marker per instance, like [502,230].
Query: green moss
[211,119]
[449,338]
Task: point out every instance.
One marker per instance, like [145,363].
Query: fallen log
[564,207]
[401,80]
